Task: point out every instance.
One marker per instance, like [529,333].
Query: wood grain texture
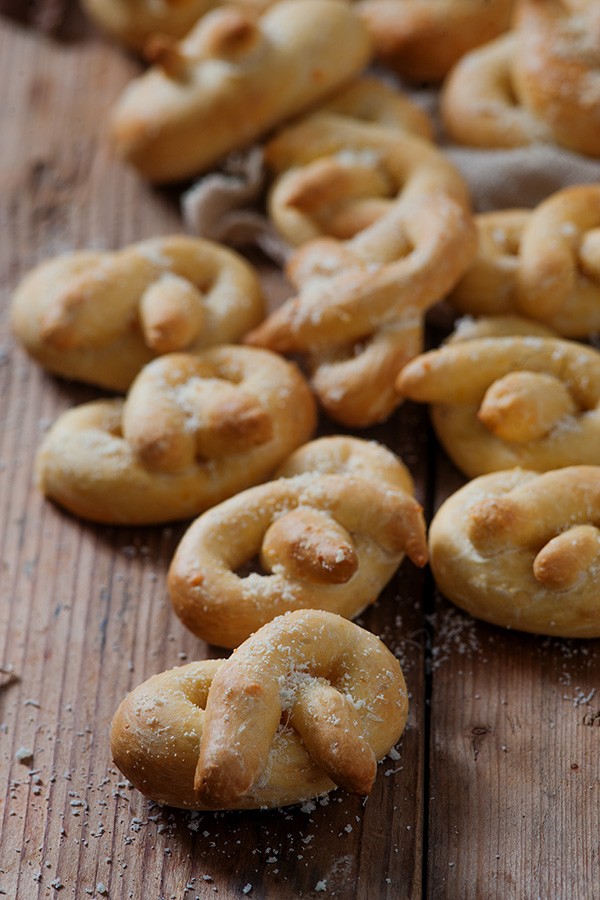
[495,793]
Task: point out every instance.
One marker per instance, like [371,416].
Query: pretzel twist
[544,264]
[231,79]
[522,550]
[511,401]
[329,534]
[192,431]
[540,82]
[422,41]
[388,232]
[309,702]
[100,317]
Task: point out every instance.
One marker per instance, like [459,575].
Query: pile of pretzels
[292,537]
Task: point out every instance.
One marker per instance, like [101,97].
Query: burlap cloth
[224,206]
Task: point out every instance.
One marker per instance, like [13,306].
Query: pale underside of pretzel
[308,702]
[232,79]
[193,430]
[100,317]
[511,401]
[370,272]
[544,264]
[323,540]
[422,41]
[522,550]
[557,69]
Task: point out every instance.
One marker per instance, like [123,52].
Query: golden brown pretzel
[477,102]
[521,550]
[511,401]
[544,264]
[308,702]
[329,534]
[231,79]
[423,40]
[557,69]
[101,316]
[540,82]
[193,430]
[391,233]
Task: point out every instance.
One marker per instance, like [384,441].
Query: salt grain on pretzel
[511,401]
[329,534]
[101,316]
[231,79]
[387,229]
[522,550]
[193,430]
[309,702]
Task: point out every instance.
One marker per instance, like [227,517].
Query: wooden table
[496,791]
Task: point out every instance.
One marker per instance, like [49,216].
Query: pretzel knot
[308,702]
[544,264]
[511,401]
[389,234]
[329,534]
[100,317]
[538,83]
[422,41]
[522,550]
[193,430]
[231,79]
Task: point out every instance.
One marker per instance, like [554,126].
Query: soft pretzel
[387,229]
[329,534]
[478,105]
[193,430]
[422,41]
[540,82]
[544,264]
[100,316]
[233,78]
[308,702]
[511,401]
[522,550]
[557,69]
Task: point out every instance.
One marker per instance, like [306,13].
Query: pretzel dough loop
[325,539]
[522,550]
[308,702]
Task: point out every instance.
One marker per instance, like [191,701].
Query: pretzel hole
[163,51]
[525,406]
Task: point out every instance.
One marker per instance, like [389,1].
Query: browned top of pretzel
[422,41]
[540,82]
[101,316]
[231,79]
[308,702]
[391,232]
[329,534]
[522,550]
[193,430]
[544,264]
[511,401]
